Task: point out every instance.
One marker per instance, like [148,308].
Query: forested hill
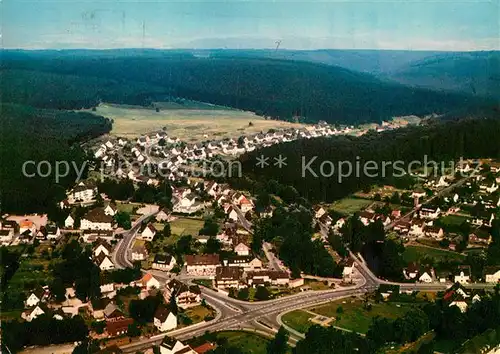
[476,73]
[31,134]
[282,89]
[447,141]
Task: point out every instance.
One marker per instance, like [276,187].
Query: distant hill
[476,73]
[282,89]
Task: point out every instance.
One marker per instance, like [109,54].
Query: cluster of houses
[25,229]
[161,151]
[240,271]
[39,302]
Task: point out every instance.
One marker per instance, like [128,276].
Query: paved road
[274,262]
[264,316]
[120,253]
[438,194]
[241,218]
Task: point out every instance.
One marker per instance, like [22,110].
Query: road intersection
[263,316]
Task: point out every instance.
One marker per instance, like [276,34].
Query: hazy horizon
[369,25]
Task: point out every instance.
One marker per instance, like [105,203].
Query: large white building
[82,193]
[204,264]
[96,219]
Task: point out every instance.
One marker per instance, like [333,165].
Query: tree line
[307,158]
[31,134]
[280,89]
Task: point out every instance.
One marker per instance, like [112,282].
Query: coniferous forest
[440,141]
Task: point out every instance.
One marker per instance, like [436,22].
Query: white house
[348,270]
[185,296]
[6,235]
[164,319]
[461,304]
[149,282]
[30,315]
[69,222]
[35,297]
[82,193]
[426,277]
[204,264]
[463,275]
[492,275]
[430,213]
[211,188]
[101,246]
[232,214]
[104,262]
[417,228]
[139,252]
[148,232]
[162,215]
[172,346]
[110,209]
[241,249]
[319,211]
[163,262]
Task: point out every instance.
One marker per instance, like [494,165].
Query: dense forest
[477,73]
[32,134]
[306,158]
[282,89]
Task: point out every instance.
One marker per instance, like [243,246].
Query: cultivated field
[350,205]
[191,123]
[417,253]
[186,226]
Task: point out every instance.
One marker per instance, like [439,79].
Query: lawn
[193,122]
[453,219]
[350,205]
[198,313]
[186,226]
[298,320]
[416,253]
[248,343]
[127,207]
[355,317]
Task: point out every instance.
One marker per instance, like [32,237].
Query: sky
[368,24]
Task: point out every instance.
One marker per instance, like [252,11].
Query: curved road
[120,254]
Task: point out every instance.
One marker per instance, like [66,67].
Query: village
[202,238]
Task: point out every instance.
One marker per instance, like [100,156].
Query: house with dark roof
[104,262]
[164,262]
[173,346]
[202,264]
[228,277]
[96,219]
[147,232]
[185,296]
[164,319]
[101,246]
[139,252]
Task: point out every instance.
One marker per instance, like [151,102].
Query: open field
[127,207]
[248,343]
[185,226]
[350,205]
[191,124]
[298,320]
[453,219]
[416,253]
[198,313]
[356,318]
[353,315]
